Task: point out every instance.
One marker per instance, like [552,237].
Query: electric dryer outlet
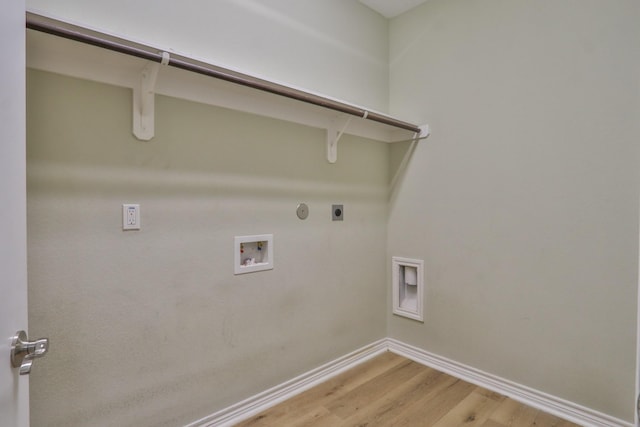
[337,212]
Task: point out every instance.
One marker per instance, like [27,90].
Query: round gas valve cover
[302,211]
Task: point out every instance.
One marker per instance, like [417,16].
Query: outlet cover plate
[131,217]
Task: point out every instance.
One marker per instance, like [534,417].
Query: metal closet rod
[95,38]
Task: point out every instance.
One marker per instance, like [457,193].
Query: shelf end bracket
[425,131]
[333,136]
[144,100]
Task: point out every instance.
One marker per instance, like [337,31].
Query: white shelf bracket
[425,131]
[333,136]
[144,100]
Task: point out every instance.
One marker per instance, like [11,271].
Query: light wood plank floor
[390,390]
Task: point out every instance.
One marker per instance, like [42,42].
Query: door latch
[23,351]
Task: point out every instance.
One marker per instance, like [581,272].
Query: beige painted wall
[524,201]
[523,204]
[335,47]
[151,327]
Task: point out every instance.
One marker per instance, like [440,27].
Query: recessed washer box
[408,287]
[253,253]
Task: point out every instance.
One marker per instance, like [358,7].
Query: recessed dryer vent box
[408,285]
[253,253]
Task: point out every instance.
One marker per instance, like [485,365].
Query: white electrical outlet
[130,217]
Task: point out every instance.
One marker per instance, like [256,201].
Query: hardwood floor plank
[286,412]
[490,394]
[321,417]
[512,413]
[492,423]
[472,411]
[390,390]
[548,420]
[350,403]
[428,410]
[392,404]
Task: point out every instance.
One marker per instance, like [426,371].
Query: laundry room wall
[152,327]
[523,203]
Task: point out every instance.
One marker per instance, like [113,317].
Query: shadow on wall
[399,159]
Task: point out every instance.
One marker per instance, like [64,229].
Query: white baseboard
[530,397]
[254,405]
[553,405]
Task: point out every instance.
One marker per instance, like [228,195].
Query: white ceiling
[392,8]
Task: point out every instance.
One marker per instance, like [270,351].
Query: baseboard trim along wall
[254,405]
[247,408]
[530,397]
